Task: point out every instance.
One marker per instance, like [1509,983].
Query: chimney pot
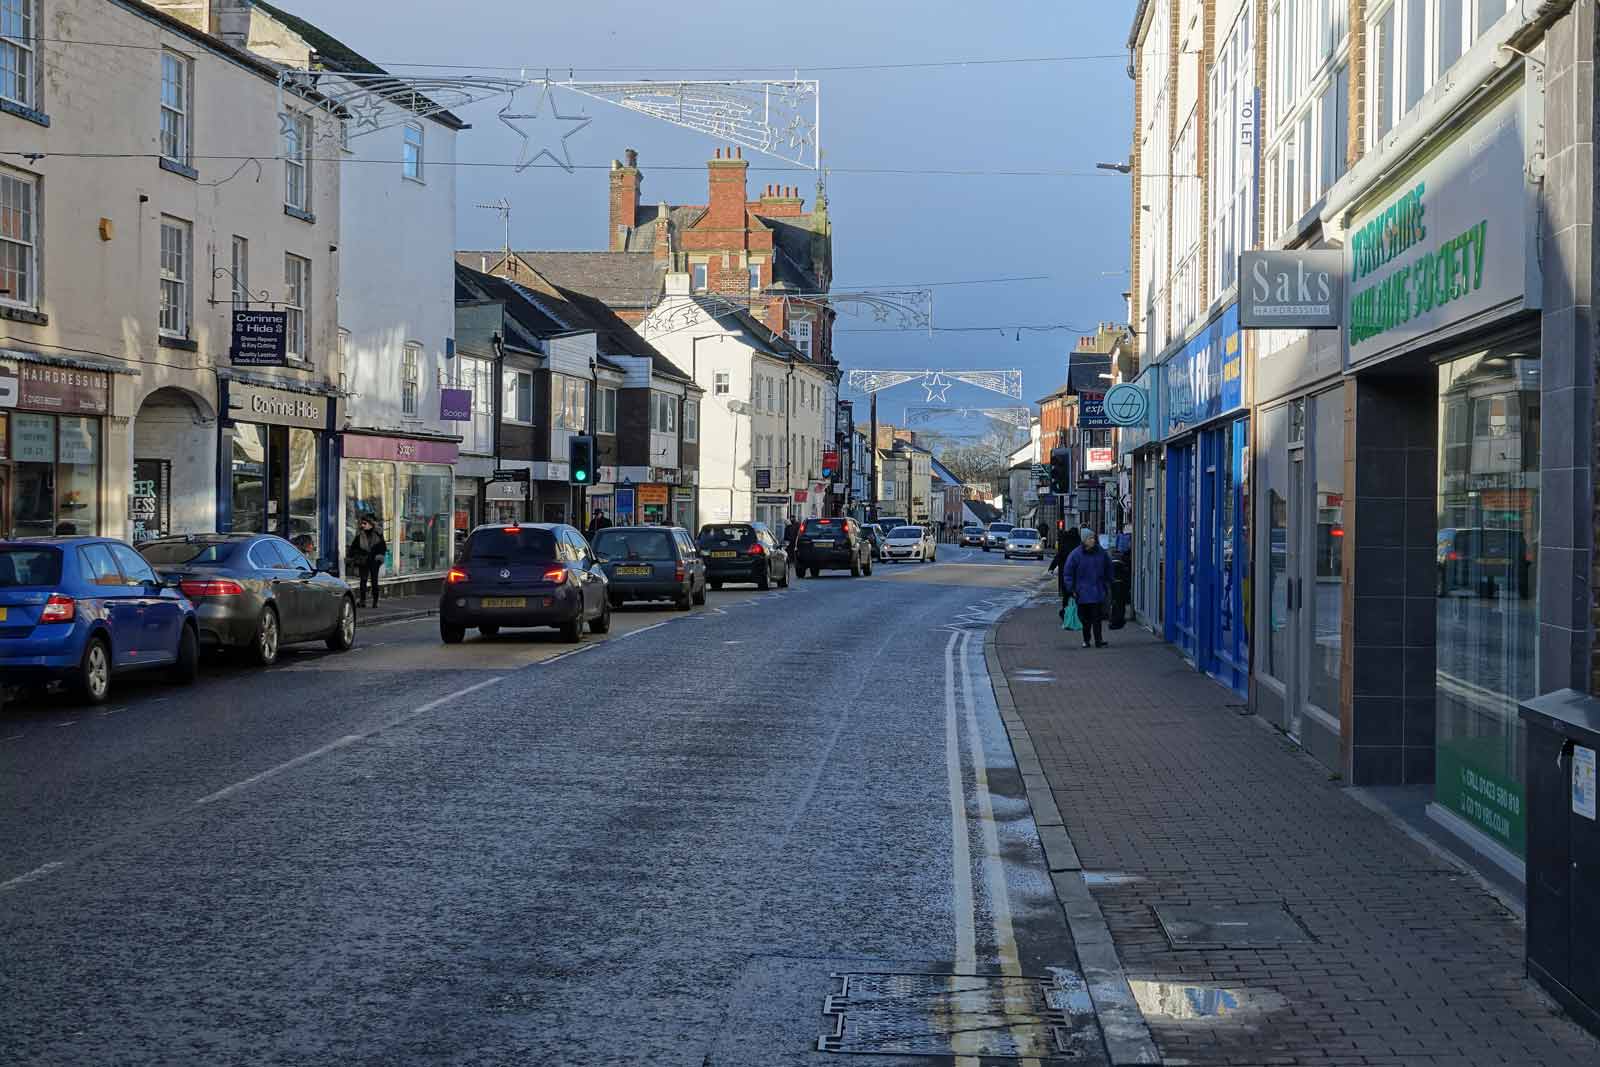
[740,150]
[632,157]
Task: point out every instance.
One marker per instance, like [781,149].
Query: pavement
[1310,929]
[714,838]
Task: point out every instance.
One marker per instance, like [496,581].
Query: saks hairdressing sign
[1299,288]
[1448,243]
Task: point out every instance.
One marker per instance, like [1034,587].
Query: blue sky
[888,228]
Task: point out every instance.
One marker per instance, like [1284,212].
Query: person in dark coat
[1087,577]
[597,522]
[1070,539]
[365,556]
[1121,587]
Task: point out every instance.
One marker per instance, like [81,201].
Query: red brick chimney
[625,182]
[727,178]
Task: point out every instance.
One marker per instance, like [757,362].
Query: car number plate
[505,601]
[633,570]
[822,544]
[723,555]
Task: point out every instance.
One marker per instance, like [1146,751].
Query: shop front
[653,501]
[1207,482]
[407,486]
[52,451]
[278,462]
[505,499]
[1141,455]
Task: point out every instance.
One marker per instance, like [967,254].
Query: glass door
[1283,483]
[1295,584]
[1180,622]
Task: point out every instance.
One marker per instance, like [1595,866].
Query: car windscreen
[727,535]
[187,553]
[32,565]
[1024,535]
[622,543]
[906,531]
[510,545]
[1000,527]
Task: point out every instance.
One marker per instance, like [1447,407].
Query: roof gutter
[1484,66]
[1133,33]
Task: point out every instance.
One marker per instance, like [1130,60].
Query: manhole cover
[960,1015]
[1230,925]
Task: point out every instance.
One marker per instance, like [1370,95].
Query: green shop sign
[1419,261]
[1488,799]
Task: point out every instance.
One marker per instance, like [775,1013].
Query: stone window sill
[184,344]
[180,169]
[11,107]
[28,315]
[296,213]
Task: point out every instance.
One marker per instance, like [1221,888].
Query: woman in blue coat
[1087,576]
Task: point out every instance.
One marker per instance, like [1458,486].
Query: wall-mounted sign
[623,499]
[505,491]
[1206,378]
[772,498]
[1127,404]
[511,474]
[800,496]
[652,494]
[1450,242]
[1299,289]
[455,405]
[66,390]
[283,407]
[10,391]
[399,449]
[1583,802]
[763,478]
[260,339]
[1092,411]
[1100,459]
[150,499]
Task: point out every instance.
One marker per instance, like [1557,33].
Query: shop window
[426,501]
[248,471]
[297,304]
[176,271]
[17,53]
[19,241]
[177,119]
[55,474]
[297,163]
[410,378]
[302,482]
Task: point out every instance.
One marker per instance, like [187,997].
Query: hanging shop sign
[150,499]
[1298,288]
[455,405]
[511,474]
[282,407]
[1126,404]
[66,390]
[1206,378]
[763,478]
[260,339]
[1092,411]
[1450,241]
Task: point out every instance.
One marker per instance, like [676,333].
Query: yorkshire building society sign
[1299,289]
[1447,243]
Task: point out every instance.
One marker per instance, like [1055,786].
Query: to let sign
[260,339]
[1297,289]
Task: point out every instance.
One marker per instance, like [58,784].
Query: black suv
[832,544]
[743,552]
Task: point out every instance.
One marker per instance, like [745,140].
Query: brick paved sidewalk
[1160,775]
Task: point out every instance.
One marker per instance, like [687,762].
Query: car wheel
[855,566]
[867,570]
[764,580]
[683,602]
[489,631]
[186,668]
[616,601]
[265,646]
[783,579]
[344,633]
[717,586]
[450,634]
[572,632]
[700,597]
[92,682]
[602,624]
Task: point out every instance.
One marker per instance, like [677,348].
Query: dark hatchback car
[832,544]
[531,574]
[743,552]
[651,563]
[255,592]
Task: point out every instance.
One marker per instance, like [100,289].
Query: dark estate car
[531,574]
[743,552]
[81,609]
[832,544]
[651,563]
[1485,563]
[256,592]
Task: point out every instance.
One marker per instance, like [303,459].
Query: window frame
[800,331]
[512,389]
[29,259]
[691,422]
[239,253]
[605,416]
[1297,138]
[182,110]
[1400,41]
[699,277]
[721,383]
[571,397]
[410,379]
[182,282]
[297,161]
[754,271]
[663,413]
[25,45]
[412,158]
[297,305]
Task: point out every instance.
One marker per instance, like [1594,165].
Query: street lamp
[1120,168]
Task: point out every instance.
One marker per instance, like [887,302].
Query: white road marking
[994,868]
[13,737]
[273,772]
[642,629]
[966,959]
[37,872]
[64,725]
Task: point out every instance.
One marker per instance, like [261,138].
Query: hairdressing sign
[1447,242]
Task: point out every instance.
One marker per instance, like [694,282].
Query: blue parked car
[81,609]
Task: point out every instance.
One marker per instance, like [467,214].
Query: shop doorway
[274,473]
[1181,618]
[174,466]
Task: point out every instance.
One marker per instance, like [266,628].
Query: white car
[994,536]
[1022,542]
[907,543]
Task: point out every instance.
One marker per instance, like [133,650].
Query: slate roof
[1084,373]
[791,260]
[338,56]
[985,511]
[527,325]
[642,238]
[618,279]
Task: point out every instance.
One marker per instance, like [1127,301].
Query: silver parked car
[1024,542]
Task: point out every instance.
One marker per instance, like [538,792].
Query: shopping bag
[1070,620]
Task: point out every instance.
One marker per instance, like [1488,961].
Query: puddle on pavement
[1174,1001]
[1103,878]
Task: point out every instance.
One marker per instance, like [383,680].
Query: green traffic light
[582,476]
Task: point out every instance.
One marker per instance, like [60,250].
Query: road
[653,848]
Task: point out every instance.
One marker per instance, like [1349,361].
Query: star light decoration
[936,388]
[1007,382]
[546,95]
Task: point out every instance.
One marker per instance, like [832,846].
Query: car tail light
[59,609]
[512,529]
[677,572]
[757,550]
[556,574]
[456,575]
[1452,556]
[199,587]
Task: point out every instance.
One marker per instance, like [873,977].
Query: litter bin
[1563,849]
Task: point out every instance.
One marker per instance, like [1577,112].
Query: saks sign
[1297,289]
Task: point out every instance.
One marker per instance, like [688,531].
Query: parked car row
[83,610]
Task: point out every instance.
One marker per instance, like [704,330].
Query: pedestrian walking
[791,537]
[597,522]
[365,556]
[1058,563]
[1087,579]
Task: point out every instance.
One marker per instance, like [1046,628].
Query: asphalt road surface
[657,847]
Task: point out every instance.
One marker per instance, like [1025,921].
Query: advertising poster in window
[150,499]
[77,442]
[33,438]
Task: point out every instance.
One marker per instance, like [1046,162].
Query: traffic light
[580,460]
[1061,470]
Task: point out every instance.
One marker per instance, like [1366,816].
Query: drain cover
[960,1015]
[1230,925]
